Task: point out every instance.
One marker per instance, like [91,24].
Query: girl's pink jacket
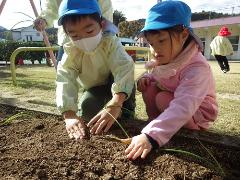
[193,87]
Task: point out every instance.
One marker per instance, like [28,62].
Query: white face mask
[89,44]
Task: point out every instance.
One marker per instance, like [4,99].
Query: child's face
[166,47]
[84,28]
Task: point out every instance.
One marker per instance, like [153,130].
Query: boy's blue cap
[168,14]
[70,7]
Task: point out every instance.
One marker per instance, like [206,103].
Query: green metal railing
[21,49]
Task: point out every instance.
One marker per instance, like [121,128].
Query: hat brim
[225,33]
[196,38]
[154,26]
[76,12]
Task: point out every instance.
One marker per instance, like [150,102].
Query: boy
[99,64]
[50,13]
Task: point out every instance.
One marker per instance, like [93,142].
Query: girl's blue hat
[70,7]
[168,14]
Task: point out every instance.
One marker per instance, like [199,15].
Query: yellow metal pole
[20,49]
[2,5]
[45,37]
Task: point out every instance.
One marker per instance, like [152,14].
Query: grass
[36,84]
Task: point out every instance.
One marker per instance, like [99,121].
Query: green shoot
[125,132]
[187,153]
[214,159]
[25,15]
[10,119]
[20,23]
[31,19]
[176,150]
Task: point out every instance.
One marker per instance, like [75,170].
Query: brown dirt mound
[38,147]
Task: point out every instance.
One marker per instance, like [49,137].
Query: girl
[180,90]
[221,47]
[98,63]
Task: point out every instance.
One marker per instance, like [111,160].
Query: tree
[118,17]
[52,35]
[208,15]
[7,35]
[130,28]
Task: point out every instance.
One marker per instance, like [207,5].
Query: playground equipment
[132,50]
[137,53]
[20,49]
[44,34]
[129,49]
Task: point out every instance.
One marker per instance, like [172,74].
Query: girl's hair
[74,18]
[172,31]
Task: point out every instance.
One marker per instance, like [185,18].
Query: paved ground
[27,103]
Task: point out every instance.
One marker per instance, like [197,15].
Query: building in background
[208,29]
[25,34]
[128,41]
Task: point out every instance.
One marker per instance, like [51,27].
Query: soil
[37,147]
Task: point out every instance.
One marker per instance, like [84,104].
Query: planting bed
[36,146]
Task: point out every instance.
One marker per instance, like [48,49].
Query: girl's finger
[132,152]
[145,153]
[129,148]
[138,153]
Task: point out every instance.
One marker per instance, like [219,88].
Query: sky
[132,9]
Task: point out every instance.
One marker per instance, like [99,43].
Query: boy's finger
[81,129]
[108,126]
[69,133]
[102,124]
[94,127]
[93,121]
[70,136]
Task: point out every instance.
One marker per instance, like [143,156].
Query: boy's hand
[143,83]
[40,24]
[74,125]
[103,120]
[140,146]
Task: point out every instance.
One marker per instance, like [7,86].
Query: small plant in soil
[180,151]
[11,119]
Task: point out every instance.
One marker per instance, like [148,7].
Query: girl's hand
[143,83]
[74,125]
[103,120]
[140,146]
